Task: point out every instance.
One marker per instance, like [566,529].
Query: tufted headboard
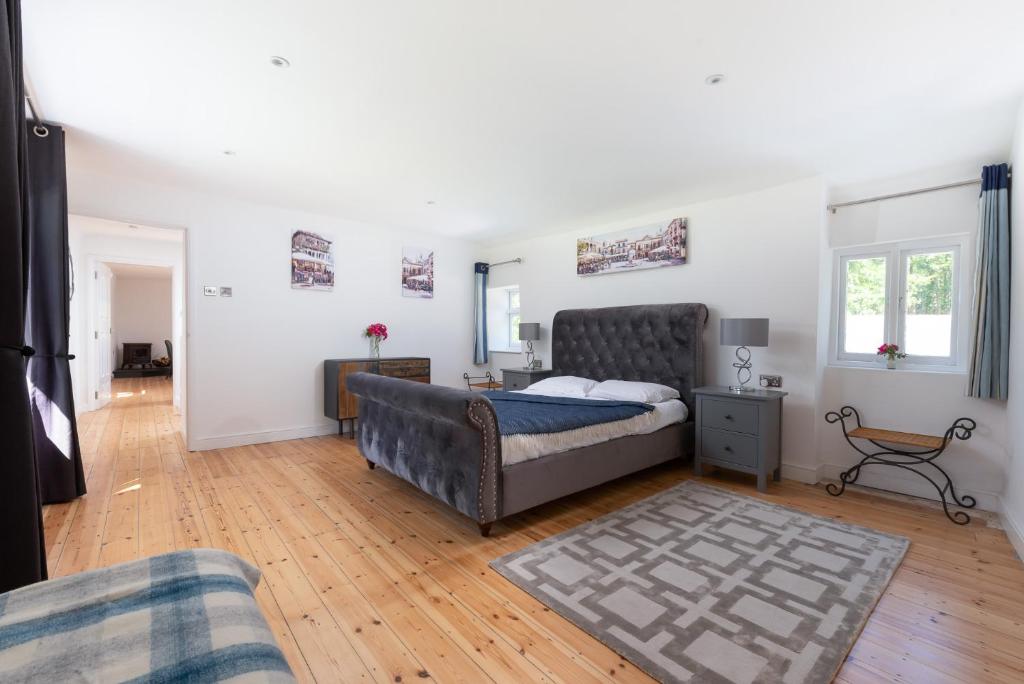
[660,343]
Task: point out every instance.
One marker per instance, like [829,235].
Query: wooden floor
[367,579]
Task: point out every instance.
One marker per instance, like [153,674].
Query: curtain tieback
[24,349]
[34,355]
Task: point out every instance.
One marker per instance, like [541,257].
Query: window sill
[504,351]
[880,367]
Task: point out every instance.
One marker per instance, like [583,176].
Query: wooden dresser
[340,405]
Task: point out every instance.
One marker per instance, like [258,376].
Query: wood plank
[893,437]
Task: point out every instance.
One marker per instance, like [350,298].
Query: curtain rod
[517,260]
[959,184]
[30,99]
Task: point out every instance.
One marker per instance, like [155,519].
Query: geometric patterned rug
[699,584]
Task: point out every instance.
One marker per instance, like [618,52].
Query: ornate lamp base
[742,365]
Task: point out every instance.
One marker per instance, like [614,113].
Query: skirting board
[800,473]
[1014,531]
[888,480]
[245,439]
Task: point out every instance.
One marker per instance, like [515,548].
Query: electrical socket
[209,290]
[771,381]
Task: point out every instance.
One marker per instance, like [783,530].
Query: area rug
[699,584]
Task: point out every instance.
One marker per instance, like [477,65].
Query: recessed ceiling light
[431,202]
[133,226]
[714,79]
[229,153]
[280,62]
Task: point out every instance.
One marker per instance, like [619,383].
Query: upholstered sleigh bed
[447,441]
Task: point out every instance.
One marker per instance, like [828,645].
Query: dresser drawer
[404,372]
[392,366]
[736,416]
[515,381]
[720,445]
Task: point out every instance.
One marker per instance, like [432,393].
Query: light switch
[225,291]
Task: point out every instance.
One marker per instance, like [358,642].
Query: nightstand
[739,431]
[521,378]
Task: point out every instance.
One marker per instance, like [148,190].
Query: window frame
[499,319]
[897,255]
[511,312]
[840,302]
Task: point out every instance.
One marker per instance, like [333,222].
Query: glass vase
[375,347]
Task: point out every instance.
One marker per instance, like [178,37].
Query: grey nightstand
[740,431]
[521,378]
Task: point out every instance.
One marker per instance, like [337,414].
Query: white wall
[909,401]
[751,255]
[1013,497]
[141,312]
[256,359]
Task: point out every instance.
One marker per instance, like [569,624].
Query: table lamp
[529,332]
[743,333]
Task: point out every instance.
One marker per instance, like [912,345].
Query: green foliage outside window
[930,283]
[865,286]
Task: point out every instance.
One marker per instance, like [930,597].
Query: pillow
[627,390]
[562,386]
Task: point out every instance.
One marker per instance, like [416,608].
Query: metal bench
[925,449]
[481,382]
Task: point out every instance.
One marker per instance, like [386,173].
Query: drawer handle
[728,416]
[728,448]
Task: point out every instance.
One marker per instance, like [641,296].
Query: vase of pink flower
[377,333]
[891,352]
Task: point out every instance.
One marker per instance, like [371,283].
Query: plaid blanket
[184,616]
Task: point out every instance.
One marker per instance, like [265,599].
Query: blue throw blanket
[531,414]
[184,616]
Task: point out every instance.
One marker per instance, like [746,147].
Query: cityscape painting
[633,249]
[312,261]
[417,272]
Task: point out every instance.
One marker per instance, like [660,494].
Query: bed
[447,442]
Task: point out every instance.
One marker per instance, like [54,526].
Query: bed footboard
[444,441]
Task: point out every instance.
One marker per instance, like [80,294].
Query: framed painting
[634,249]
[312,261]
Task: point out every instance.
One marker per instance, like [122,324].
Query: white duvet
[520,448]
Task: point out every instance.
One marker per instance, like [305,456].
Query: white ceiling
[522,116]
[89,225]
[140,271]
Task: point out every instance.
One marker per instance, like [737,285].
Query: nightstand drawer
[721,445]
[735,416]
[515,381]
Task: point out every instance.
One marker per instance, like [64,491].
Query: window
[513,318]
[503,319]
[908,293]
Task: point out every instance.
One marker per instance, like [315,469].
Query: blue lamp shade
[744,332]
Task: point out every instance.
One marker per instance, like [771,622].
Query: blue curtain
[480,313]
[990,348]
